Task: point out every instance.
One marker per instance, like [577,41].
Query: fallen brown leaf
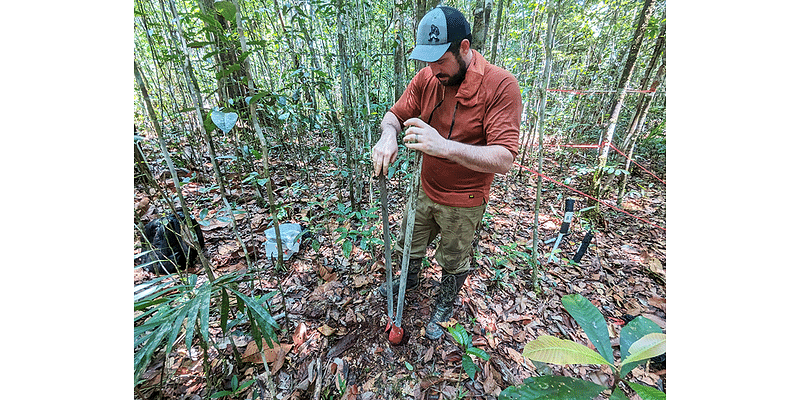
[270,354]
[428,355]
[300,334]
[326,330]
[361,280]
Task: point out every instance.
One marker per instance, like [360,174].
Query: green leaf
[205,306]
[630,333]
[553,350]
[244,385]
[460,335]
[257,97]
[650,345]
[224,121]
[176,325]
[647,392]
[190,321]
[553,388]
[478,352]
[347,248]
[469,367]
[224,307]
[197,45]
[142,358]
[409,366]
[617,394]
[219,394]
[261,314]
[227,9]
[592,322]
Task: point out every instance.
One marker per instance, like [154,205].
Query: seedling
[640,340]
[464,340]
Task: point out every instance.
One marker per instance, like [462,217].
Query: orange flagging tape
[582,92]
[591,197]
[596,146]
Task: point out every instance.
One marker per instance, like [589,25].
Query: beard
[456,79]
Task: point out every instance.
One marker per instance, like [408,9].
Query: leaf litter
[337,344]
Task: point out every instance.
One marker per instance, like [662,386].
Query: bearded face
[450,69]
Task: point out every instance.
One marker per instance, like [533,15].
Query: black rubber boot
[412,280]
[443,310]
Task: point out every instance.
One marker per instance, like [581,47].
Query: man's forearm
[390,124]
[494,158]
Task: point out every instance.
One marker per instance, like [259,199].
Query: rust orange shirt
[486,109]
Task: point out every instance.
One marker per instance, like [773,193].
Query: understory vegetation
[252,115]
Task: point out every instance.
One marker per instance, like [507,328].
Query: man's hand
[423,137]
[491,159]
[384,153]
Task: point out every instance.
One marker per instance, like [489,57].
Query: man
[464,115]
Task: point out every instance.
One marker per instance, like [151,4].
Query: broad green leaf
[257,97]
[553,350]
[592,322]
[478,352]
[227,9]
[469,367]
[617,394]
[347,248]
[409,366]
[553,388]
[630,333]
[224,121]
[651,345]
[647,392]
[246,384]
[460,335]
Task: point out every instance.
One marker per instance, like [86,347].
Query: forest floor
[335,346]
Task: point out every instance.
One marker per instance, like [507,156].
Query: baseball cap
[438,28]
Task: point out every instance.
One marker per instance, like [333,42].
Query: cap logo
[434,34]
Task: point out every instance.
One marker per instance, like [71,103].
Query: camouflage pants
[456,225]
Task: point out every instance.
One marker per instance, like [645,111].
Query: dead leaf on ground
[270,354]
[361,280]
[448,324]
[658,302]
[321,292]
[326,330]
[327,274]
[428,355]
[655,265]
[300,334]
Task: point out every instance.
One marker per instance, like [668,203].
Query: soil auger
[394,327]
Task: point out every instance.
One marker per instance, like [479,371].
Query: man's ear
[464,48]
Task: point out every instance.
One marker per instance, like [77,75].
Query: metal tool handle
[387,242]
[568,210]
[412,214]
[584,245]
